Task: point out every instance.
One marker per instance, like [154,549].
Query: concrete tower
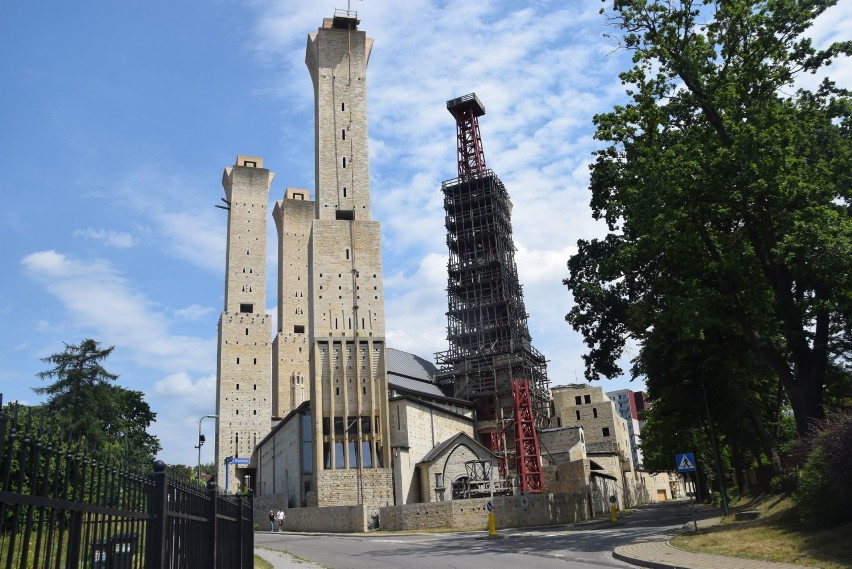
[294,216]
[330,344]
[243,377]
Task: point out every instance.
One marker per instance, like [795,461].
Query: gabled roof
[458,438]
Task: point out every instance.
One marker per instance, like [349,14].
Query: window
[344,161]
[345,214]
[343,134]
[606,431]
[588,398]
[594,413]
[578,400]
[298,329]
[578,414]
[247,308]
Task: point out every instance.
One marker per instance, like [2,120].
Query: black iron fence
[63,506]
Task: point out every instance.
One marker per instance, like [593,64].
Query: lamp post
[201,440]
[713,444]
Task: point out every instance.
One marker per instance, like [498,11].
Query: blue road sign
[239,460]
[685,462]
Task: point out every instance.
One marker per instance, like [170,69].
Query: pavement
[653,551]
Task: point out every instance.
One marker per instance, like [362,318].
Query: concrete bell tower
[348,380]
[244,366]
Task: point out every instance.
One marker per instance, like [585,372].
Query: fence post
[155,543]
[214,521]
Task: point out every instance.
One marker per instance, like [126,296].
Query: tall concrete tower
[244,368]
[331,339]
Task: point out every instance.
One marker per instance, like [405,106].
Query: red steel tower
[490,360]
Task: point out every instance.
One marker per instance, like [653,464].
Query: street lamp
[201,441]
[713,443]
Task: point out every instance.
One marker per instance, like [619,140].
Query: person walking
[271,520]
[280,516]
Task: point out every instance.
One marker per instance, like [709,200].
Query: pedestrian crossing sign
[685,462]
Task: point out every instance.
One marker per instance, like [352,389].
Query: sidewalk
[656,552]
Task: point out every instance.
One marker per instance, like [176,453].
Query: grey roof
[413,385]
[403,363]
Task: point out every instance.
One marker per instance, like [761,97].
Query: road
[586,546]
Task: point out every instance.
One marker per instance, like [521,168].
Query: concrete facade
[291,349]
[244,365]
[628,404]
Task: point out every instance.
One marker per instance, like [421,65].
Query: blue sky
[117,119]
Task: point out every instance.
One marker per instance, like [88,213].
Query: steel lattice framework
[489,340]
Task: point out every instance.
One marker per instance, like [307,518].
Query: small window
[342,106]
[594,413]
[578,414]
[558,421]
[347,254]
[578,400]
[606,431]
[345,214]
[343,134]
[238,361]
[238,387]
[250,163]
[246,331]
[344,161]
[298,329]
[255,361]
[344,192]
[588,398]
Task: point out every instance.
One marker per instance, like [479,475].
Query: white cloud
[120,240]
[193,312]
[97,296]
[181,401]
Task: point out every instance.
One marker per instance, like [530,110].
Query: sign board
[685,462]
[238,460]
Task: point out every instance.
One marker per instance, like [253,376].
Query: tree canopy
[87,404]
[726,191]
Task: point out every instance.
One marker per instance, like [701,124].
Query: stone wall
[371,486]
[337,519]
[509,512]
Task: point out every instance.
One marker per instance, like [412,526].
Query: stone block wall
[337,519]
[509,512]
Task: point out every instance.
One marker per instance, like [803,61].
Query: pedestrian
[280,516]
[271,520]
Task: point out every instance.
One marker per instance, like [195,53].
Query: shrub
[823,496]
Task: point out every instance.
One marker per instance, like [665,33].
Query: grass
[777,535]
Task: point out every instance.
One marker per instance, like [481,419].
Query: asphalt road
[561,547]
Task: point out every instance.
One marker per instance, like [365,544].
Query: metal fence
[63,506]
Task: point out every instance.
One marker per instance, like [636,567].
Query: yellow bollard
[492,530]
[613,516]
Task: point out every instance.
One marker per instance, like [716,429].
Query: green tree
[727,197]
[87,404]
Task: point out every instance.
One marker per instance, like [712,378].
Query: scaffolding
[489,340]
